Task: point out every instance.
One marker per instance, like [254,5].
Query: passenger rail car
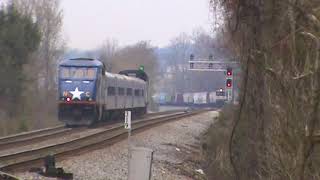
[87,93]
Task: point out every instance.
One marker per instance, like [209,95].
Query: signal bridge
[210,65]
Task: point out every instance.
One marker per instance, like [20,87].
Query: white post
[139,159]
[127,125]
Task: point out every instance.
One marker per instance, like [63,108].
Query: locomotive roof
[139,74]
[119,76]
[81,62]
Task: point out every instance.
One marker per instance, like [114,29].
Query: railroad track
[6,176]
[50,133]
[37,138]
[25,135]
[100,139]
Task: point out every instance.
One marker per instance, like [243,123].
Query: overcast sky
[88,22]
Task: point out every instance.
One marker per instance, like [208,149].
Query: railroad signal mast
[213,65]
[229,78]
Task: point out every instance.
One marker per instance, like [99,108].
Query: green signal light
[141,68]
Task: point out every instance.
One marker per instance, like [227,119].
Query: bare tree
[42,71]
[48,15]
[180,51]
[278,46]
[108,51]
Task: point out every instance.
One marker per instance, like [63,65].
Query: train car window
[129,92]
[121,91]
[111,91]
[142,92]
[136,92]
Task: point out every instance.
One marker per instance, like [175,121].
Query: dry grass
[215,146]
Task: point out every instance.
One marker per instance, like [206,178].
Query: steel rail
[22,159]
[49,133]
[37,138]
[24,135]
[7,176]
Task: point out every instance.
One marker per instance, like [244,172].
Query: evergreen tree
[19,38]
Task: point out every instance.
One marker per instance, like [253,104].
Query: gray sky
[88,22]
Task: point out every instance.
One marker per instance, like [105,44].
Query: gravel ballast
[173,143]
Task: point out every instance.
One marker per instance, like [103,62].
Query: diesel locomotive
[88,94]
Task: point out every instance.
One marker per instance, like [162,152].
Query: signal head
[229,83]
[141,67]
[229,71]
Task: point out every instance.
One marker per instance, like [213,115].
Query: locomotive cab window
[89,73]
[111,91]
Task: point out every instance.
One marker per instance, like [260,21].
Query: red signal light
[229,71]
[229,83]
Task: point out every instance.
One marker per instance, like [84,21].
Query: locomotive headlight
[88,96]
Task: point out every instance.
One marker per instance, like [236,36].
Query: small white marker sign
[127,120]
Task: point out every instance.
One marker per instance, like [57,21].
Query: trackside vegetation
[19,38]
[271,135]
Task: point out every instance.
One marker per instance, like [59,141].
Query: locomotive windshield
[78,72]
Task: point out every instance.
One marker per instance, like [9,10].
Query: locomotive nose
[78,90]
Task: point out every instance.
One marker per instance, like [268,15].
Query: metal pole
[232,87]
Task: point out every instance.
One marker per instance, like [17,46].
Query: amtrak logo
[76,94]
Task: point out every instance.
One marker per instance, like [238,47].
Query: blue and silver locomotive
[87,93]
